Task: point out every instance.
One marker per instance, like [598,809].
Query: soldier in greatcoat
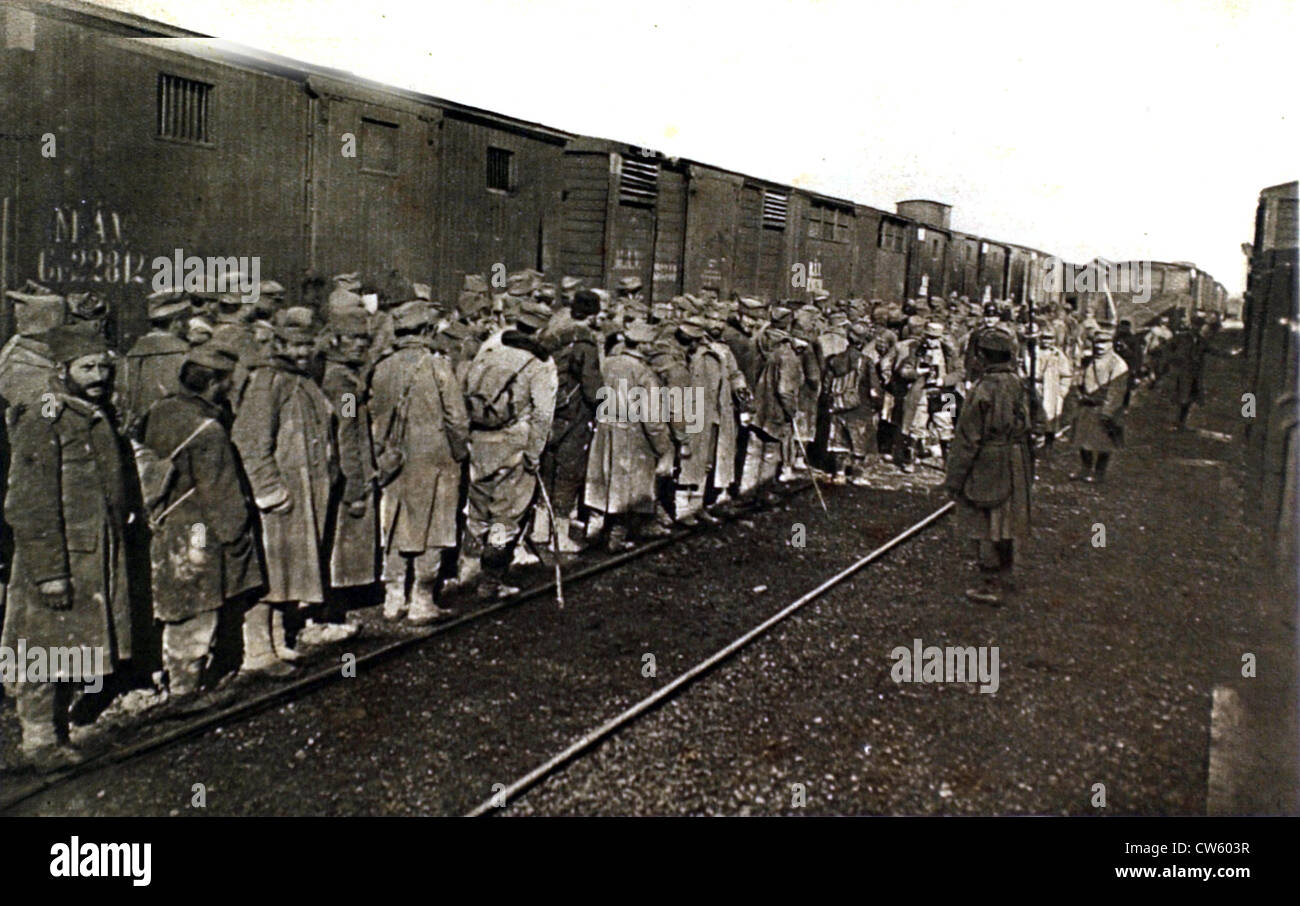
[354,548]
[575,346]
[421,435]
[25,364]
[285,434]
[1184,361]
[708,462]
[1098,424]
[206,566]
[151,367]
[776,400]
[806,331]
[633,445]
[851,389]
[932,372]
[988,470]
[510,392]
[67,506]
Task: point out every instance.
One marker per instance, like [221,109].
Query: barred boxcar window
[639,182]
[828,222]
[499,175]
[378,146]
[183,106]
[775,206]
[893,236]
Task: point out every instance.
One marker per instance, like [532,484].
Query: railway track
[502,797]
[246,708]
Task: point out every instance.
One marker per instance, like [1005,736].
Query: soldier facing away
[988,466]
[510,392]
[421,436]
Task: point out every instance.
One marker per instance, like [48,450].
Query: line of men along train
[281,465]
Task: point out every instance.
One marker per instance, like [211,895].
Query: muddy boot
[394,600]
[468,570]
[259,650]
[988,591]
[280,638]
[424,609]
[617,541]
[322,632]
[564,530]
[183,678]
[577,536]
[523,556]
[47,759]
[687,509]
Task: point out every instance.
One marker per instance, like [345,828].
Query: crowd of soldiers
[267,464]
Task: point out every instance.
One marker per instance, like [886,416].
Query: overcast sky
[1138,129]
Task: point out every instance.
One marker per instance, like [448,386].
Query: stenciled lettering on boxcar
[665,272]
[88,245]
[628,259]
[711,275]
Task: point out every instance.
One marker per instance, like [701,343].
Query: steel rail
[502,798]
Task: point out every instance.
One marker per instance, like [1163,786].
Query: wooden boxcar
[115,152]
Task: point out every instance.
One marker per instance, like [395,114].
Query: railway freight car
[882,254]
[116,153]
[1271,315]
[144,148]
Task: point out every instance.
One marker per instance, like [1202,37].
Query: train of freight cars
[115,151]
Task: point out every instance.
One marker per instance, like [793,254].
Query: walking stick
[811,472]
[555,542]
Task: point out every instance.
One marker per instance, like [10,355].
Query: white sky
[1138,129]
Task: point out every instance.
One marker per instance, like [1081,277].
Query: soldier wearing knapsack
[510,390]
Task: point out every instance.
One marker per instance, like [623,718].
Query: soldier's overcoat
[354,551]
[989,458]
[285,434]
[67,505]
[1102,384]
[714,370]
[418,408]
[628,445]
[148,372]
[204,547]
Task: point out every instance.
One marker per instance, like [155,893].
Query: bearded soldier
[67,506]
[285,434]
[421,436]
